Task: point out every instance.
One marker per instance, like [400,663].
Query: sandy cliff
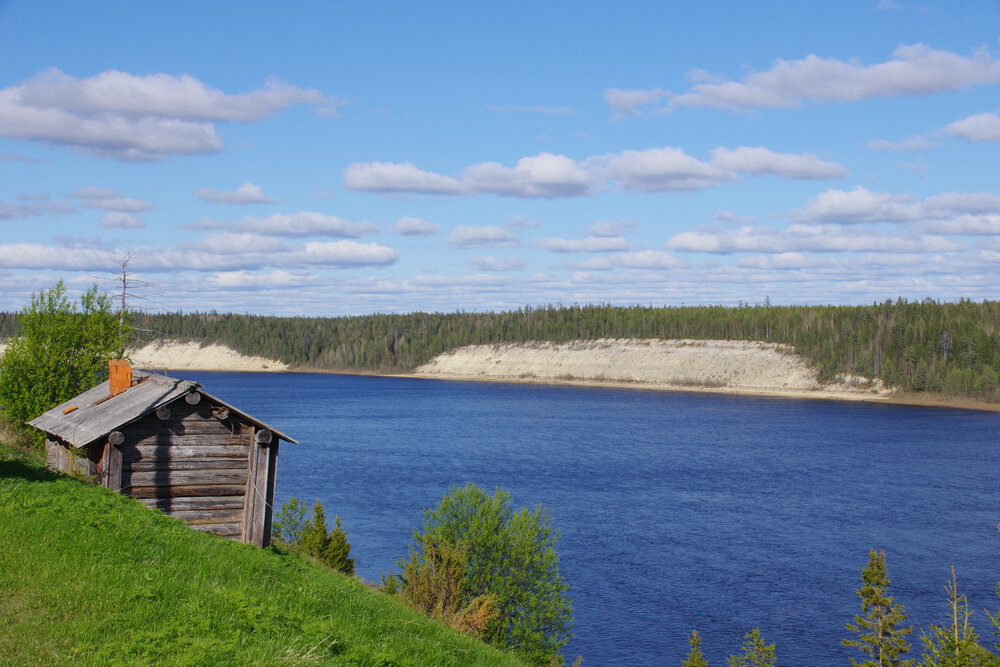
[175,355]
[727,366]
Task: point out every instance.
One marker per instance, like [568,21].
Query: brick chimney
[119,375]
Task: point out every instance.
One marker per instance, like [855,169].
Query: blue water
[677,510]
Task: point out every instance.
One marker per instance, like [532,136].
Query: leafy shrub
[62,350]
[289,522]
[509,557]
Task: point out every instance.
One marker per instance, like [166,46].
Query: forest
[950,348]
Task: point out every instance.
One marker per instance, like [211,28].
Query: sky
[339,158]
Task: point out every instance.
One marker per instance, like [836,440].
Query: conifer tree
[881,636]
[695,658]
[956,645]
[755,652]
[330,547]
[338,550]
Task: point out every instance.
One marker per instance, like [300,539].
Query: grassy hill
[89,576]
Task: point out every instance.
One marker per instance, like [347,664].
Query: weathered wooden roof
[96,415]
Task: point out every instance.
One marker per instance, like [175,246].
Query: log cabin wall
[174,447]
[192,462]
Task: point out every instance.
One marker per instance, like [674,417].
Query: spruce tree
[881,635]
[695,658]
[755,652]
[956,644]
[314,538]
[337,552]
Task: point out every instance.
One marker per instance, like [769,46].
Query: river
[677,510]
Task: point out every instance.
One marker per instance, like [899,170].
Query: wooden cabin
[173,446]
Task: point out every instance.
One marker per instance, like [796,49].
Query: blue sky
[327,158]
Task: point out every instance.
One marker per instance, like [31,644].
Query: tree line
[920,346]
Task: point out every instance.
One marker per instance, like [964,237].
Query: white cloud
[860,205]
[965,225]
[228,243]
[492,264]
[864,206]
[409,226]
[343,254]
[914,69]
[732,218]
[801,238]
[33,205]
[248,193]
[589,244]
[609,228]
[106,199]
[389,177]
[134,118]
[647,259]
[543,175]
[119,220]
[659,169]
[519,222]
[305,223]
[911,144]
[248,280]
[627,102]
[466,236]
[760,160]
[981,127]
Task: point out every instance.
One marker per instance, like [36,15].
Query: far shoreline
[902,399]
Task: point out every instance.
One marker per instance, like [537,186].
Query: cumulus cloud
[627,102]
[492,264]
[733,219]
[914,69]
[343,254]
[589,244]
[467,236]
[609,228]
[31,206]
[408,226]
[543,175]
[760,160]
[861,205]
[215,253]
[803,238]
[389,177]
[119,220]
[229,243]
[911,144]
[651,260]
[106,199]
[660,169]
[134,118]
[519,222]
[553,176]
[248,193]
[981,127]
[249,280]
[305,223]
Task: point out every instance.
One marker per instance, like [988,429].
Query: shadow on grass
[16,467]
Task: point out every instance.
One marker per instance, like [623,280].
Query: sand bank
[176,355]
[720,366]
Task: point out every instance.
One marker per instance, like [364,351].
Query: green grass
[89,576]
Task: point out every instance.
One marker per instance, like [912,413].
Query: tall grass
[89,576]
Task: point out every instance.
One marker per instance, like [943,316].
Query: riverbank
[192,356]
[715,366]
[731,367]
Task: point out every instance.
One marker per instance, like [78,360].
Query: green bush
[62,350]
[510,557]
